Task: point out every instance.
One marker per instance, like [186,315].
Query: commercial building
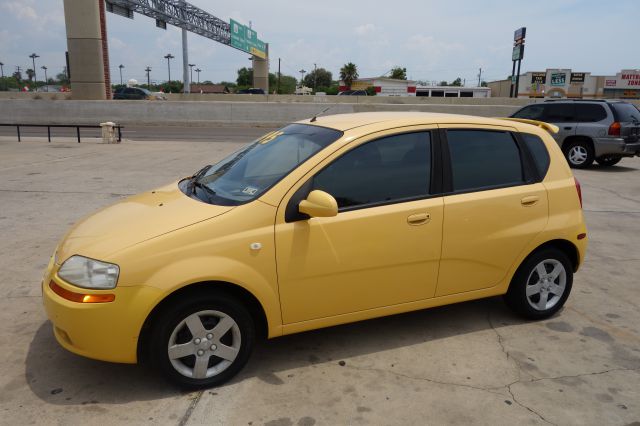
[565,83]
[384,86]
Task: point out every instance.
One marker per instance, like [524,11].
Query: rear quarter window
[590,113]
[538,151]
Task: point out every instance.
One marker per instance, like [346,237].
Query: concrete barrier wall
[205,113]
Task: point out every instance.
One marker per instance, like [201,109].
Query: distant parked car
[604,131]
[353,93]
[252,91]
[130,93]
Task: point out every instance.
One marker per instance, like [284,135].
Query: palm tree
[348,73]
[30,74]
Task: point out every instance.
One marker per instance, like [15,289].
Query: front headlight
[89,273]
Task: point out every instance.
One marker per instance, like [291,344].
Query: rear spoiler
[546,126]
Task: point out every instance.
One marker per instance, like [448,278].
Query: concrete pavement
[472,363]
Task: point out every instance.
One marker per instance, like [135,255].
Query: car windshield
[246,174]
[626,112]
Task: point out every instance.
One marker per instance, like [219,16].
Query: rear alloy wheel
[541,285]
[608,160]
[579,154]
[202,342]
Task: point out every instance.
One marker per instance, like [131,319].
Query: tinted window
[625,112]
[481,159]
[388,169]
[532,112]
[129,91]
[590,113]
[539,152]
[559,112]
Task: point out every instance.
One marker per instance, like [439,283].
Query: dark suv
[604,131]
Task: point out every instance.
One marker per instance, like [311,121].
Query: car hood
[134,220]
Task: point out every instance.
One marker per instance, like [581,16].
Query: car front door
[494,209]
[382,248]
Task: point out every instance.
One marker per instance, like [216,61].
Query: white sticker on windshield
[250,190]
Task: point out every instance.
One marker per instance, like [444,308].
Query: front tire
[541,285]
[579,154]
[608,160]
[202,341]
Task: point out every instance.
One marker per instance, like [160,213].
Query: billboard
[538,77]
[558,79]
[577,77]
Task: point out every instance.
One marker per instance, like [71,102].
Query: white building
[383,86]
[453,92]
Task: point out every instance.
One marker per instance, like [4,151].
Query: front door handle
[530,201]
[418,219]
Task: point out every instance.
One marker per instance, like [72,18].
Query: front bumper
[103,331]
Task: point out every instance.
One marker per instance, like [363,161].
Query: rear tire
[608,160]
[541,285]
[202,340]
[579,154]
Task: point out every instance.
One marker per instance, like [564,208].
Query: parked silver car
[600,130]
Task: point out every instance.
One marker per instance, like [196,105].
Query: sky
[434,40]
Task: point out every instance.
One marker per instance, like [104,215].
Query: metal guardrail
[49,126]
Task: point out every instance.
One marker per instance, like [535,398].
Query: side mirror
[319,204]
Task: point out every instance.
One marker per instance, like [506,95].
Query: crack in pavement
[190,408]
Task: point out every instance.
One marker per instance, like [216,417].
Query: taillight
[579,190]
[614,129]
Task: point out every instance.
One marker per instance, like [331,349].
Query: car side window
[590,113]
[559,113]
[531,112]
[538,151]
[482,159]
[390,169]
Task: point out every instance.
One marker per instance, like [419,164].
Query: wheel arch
[565,246]
[573,138]
[255,308]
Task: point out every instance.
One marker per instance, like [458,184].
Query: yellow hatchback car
[327,221]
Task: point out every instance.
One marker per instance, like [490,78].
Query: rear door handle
[530,200]
[418,219]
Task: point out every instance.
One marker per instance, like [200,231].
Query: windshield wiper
[196,184]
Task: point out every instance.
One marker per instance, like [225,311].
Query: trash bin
[108,132]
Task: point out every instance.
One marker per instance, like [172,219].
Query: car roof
[344,122]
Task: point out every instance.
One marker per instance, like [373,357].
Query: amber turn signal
[79,297]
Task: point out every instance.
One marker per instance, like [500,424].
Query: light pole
[198,71]
[120,66]
[169,57]
[46,80]
[302,71]
[148,70]
[2,71]
[191,72]
[315,77]
[33,57]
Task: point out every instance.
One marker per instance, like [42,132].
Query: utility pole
[191,72]
[315,77]
[480,77]
[169,57]
[148,70]
[46,80]
[33,57]
[120,66]
[2,72]
[278,87]
[198,71]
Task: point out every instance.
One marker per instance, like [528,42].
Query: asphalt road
[239,134]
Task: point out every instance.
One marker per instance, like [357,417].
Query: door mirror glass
[319,204]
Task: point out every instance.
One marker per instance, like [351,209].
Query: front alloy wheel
[202,341]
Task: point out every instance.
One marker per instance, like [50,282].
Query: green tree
[62,78]
[245,77]
[173,87]
[443,83]
[457,82]
[318,78]
[287,85]
[398,73]
[349,73]
[484,84]
[30,74]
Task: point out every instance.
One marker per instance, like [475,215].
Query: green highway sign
[246,39]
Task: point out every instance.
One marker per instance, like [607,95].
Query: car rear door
[593,120]
[493,209]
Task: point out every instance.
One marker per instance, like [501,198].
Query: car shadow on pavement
[60,377]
